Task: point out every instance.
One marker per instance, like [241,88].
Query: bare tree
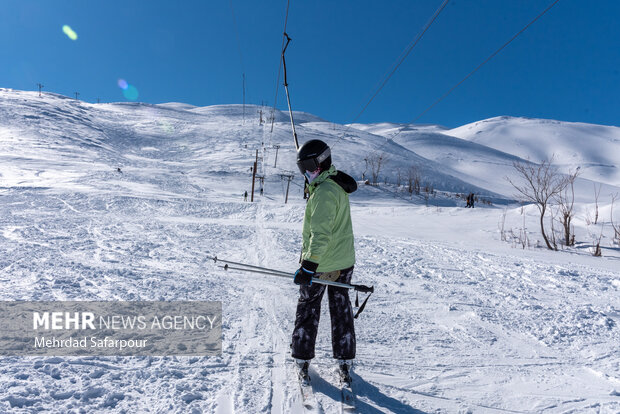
[376,161]
[413,179]
[596,194]
[596,244]
[553,236]
[615,226]
[523,239]
[566,203]
[399,177]
[542,183]
[501,225]
[365,169]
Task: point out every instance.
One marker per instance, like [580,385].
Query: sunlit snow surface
[460,321]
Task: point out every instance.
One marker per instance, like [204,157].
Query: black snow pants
[309,312]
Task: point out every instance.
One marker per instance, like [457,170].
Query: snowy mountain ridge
[475,157]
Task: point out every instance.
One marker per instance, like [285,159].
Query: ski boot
[302,370]
[345,368]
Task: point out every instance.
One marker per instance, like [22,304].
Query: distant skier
[245,195]
[327,253]
[470,200]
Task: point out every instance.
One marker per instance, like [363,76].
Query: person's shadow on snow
[368,391]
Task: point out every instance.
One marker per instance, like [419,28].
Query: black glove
[303,276]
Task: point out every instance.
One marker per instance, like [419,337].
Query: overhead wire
[232,10]
[474,71]
[389,73]
[402,57]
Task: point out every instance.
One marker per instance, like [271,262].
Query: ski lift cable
[402,57]
[442,97]
[232,10]
[388,75]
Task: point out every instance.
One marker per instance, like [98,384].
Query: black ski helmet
[314,154]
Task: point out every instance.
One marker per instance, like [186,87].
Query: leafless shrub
[513,238]
[596,236]
[566,203]
[376,161]
[552,233]
[616,227]
[542,182]
[523,239]
[596,194]
[501,225]
[399,176]
[413,179]
[510,236]
[520,239]
[588,217]
[596,248]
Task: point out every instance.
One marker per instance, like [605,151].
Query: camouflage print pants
[309,312]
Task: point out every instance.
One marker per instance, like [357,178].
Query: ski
[347,398]
[308,399]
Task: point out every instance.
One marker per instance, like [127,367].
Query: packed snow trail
[447,328]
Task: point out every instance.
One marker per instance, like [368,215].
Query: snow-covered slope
[482,154]
[594,148]
[459,322]
[477,164]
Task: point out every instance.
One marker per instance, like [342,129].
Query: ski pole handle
[365,289]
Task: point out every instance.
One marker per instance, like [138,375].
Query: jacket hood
[345,181]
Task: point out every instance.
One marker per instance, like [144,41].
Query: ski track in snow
[448,329]
[451,328]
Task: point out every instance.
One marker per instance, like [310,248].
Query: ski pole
[279,273]
[360,288]
[215,259]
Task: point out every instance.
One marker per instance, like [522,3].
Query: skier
[327,253]
[470,200]
[245,195]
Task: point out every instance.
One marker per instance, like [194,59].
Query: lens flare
[122,83]
[69,32]
[130,93]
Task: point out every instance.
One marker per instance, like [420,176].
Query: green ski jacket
[327,230]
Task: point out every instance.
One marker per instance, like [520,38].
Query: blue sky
[566,66]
